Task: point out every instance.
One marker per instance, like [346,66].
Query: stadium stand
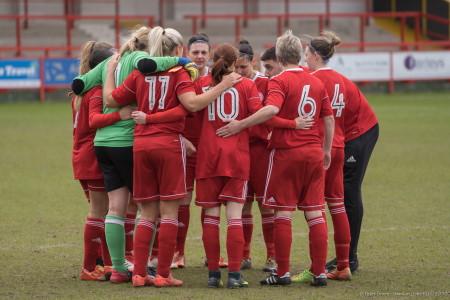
[52,28]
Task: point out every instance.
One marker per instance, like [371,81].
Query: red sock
[98,248]
[202,216]
[211,241]
[167,243]
[235,244]
[105,251]
[130,223]
[155,247]
[282,239]
[319,244]
[310,252]
[93,231]
[341,235]
[247,227]
[183,226]
[324,215]
[267,229]
[142,240]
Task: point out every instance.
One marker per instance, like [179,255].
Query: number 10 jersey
[218,156]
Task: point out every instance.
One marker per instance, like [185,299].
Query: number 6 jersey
[297,93]
[218,156]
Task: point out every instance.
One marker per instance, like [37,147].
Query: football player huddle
[149,123]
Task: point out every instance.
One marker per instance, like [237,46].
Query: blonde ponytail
[91,55]
[84,57]
[77,102]
[163,41]
[137,41]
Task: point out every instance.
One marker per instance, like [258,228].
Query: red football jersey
[153,94]
[84,161]
[192,127]
[335,87]
[359,116]
[193,123]
[297,93]
[306,69]
[260,132]
[218,156]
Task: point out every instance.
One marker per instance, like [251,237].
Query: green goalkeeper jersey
[120,134]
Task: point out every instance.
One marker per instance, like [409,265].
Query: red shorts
[295,179]
[259,162]
[94,185]
[191,162]
[214,191]
[334,177]
[159,168]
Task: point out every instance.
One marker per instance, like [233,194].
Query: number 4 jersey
[335,87]
[297,93]
[218,156]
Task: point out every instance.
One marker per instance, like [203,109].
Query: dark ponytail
[324,45]
[245,50]
[224,57]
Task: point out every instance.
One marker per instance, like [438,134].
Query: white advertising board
[370,66]
[421,65]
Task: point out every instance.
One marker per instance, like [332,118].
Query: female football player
[87,117]
[298,158]
[114,143]
[317,55]
[259,160]
[159,153]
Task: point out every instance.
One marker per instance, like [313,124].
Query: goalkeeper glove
[189,66]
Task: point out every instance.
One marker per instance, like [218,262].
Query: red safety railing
[70,19]
[321,18]
[286,4]
[438,20]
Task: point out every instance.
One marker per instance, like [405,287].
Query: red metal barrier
[401,45]
[69,25]
[322,20]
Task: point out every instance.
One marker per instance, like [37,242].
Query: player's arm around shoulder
[83,83]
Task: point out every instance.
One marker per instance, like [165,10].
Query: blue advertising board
[60,71]
[19,73]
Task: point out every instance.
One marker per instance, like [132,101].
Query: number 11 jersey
[155,93]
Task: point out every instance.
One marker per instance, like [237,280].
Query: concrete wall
[176,9]
[39,8]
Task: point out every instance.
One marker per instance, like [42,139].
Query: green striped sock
[115,237]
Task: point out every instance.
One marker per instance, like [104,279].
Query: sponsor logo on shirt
[351,159]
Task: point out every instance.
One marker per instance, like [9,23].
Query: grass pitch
[403,248]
